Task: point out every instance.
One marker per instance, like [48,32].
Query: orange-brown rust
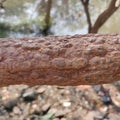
[67,60]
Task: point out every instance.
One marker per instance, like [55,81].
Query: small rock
[113,116]
[89,115]
[10,104]
[40,90]
[106,99]
[63,119]
[2,111]
[61,113]
[98,115]
[46,107]
[35,109]
[16,110]
[97,88]
[29,96]
[66,104]
[3,118]
[115,96]
[103,109]
[94,115]
[53,110]
[25,109]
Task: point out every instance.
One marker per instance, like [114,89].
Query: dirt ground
[60,103]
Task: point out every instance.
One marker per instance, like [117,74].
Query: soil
[21,102]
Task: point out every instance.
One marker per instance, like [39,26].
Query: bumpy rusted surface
[66,60]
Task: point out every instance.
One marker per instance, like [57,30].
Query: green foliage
[48,116]
[24,26]
[4,28]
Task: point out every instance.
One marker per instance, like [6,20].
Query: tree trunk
[48,9]
[60,60]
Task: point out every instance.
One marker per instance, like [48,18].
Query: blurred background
[37,18]
[23,18]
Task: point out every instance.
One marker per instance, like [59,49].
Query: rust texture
[60,60]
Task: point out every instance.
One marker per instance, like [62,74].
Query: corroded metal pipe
[60,60]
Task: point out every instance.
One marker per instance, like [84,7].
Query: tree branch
[60,60]
[104,16]
[86,9]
